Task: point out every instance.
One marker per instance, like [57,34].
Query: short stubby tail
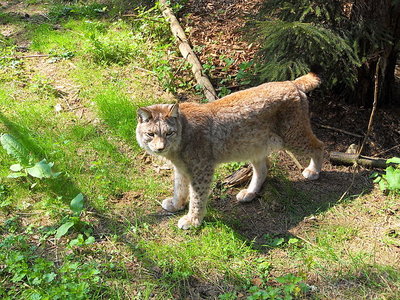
[308,82]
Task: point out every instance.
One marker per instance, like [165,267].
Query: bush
[294,35]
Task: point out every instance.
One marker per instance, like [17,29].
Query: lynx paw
[169,205]
[310,174]
[245,196]
[187,222]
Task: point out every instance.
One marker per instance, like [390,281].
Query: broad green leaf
[16,168]
[14,148]
[393,179]
[54,175]
[78,241]
[395,160]
[73,242]
[77,203]
[293,241]
[383,185]
[41,169]
[377,179]
[63,229]
[49,277]
[16,175]
[90,240]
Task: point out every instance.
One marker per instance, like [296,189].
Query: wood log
[349,159]
[188,53]
[238,177]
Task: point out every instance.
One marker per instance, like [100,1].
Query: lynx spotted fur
[245,126]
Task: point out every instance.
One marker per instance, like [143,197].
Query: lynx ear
[144,115]
[174,111]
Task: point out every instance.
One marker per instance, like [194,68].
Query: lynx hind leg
[198,190]
[299,138]
[313,169]
[314,148]
[181,193]
[257,180]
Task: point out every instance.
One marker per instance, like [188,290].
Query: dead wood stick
[238,177]
[25,56]
[374,105]
[340,130]
[387,150]
[349,159]
[297,163]
[144,70]
[187,52]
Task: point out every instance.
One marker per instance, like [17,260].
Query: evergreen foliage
[295,34]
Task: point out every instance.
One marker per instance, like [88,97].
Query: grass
[94,72]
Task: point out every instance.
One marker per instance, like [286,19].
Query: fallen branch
[238,177]
[187,52]
[340,130]
[349,159]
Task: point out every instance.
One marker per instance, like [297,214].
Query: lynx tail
[308,82]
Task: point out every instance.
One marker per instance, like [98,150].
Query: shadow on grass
[368,282]
[61,186]
[284,204]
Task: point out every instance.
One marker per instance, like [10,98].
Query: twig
[374,105]
[25,56]
[143,69]
[340,130]
[351,184]
[385,151]
[305,240]
[297,163]
[28,214]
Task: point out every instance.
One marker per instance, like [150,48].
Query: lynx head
[159,128]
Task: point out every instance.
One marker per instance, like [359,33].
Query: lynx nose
[159,146]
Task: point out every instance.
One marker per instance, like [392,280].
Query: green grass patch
[214,252]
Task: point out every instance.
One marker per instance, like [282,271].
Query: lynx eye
[150,134]
[171,133]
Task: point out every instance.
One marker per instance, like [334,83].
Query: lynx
[244,126]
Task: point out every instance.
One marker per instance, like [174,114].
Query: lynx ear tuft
[144,115]
[174,111]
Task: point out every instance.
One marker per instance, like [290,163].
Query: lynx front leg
[199,189]
[181,193]
[259,175]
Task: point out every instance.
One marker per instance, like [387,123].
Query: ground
[335,238]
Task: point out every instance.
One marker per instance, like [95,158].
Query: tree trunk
[384,13]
